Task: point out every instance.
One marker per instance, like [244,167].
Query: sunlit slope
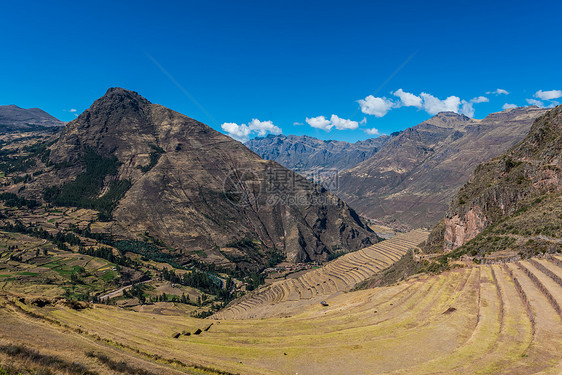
[342,274]
[483,319]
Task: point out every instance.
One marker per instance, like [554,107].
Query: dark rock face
[308,155]
[14,118]
[202,192]
[413,176]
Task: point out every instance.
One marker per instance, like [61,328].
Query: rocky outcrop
[521,190]
[459,230]
[200,192]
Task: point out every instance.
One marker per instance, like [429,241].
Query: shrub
[83,191]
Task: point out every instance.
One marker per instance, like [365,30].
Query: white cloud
[408,99]
[509,106]
[364,121]
[263,127]
[467,108]
[538,103]
[433,105]
[72,110]
[498,92]
[319,122]
[480,99]
[343,124]
[376,106]
[323,123]
[548,95]
[372,131]
[379,106]
[238,132]
[242,132]
[298,123]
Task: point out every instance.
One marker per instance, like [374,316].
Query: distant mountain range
[407,178]
[308,155]
[14,118]
[414,176]
[410,176]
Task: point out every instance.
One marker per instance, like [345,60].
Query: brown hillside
[413,177]
[195,189]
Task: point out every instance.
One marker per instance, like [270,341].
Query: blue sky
[280,63]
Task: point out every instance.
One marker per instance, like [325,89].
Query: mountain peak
[120,91]
[117,106]
[451,115]
[119,94]
[447,119]
[14,118]
[183,179]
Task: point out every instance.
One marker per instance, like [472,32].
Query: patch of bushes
[107,254]
[13,200]
[154,157]
[9,164]
[18,164]
[336,254]
[84,190]
[254,253]
[61,239]
[147,250]
[274,257]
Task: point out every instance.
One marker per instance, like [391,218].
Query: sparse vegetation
[118,366]
[47,362]
[83,191]
[154,155]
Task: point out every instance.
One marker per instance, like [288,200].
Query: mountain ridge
[412,177]
[14,118]
[198,191]
[309,155]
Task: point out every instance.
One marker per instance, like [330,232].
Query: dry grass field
[481,319]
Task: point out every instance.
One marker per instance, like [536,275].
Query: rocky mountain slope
[14,118]
[513,201]
[413,176]
[309,156]
[163,175]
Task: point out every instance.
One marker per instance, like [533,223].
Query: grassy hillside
[485,319]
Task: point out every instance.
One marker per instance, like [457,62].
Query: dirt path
[116,292]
